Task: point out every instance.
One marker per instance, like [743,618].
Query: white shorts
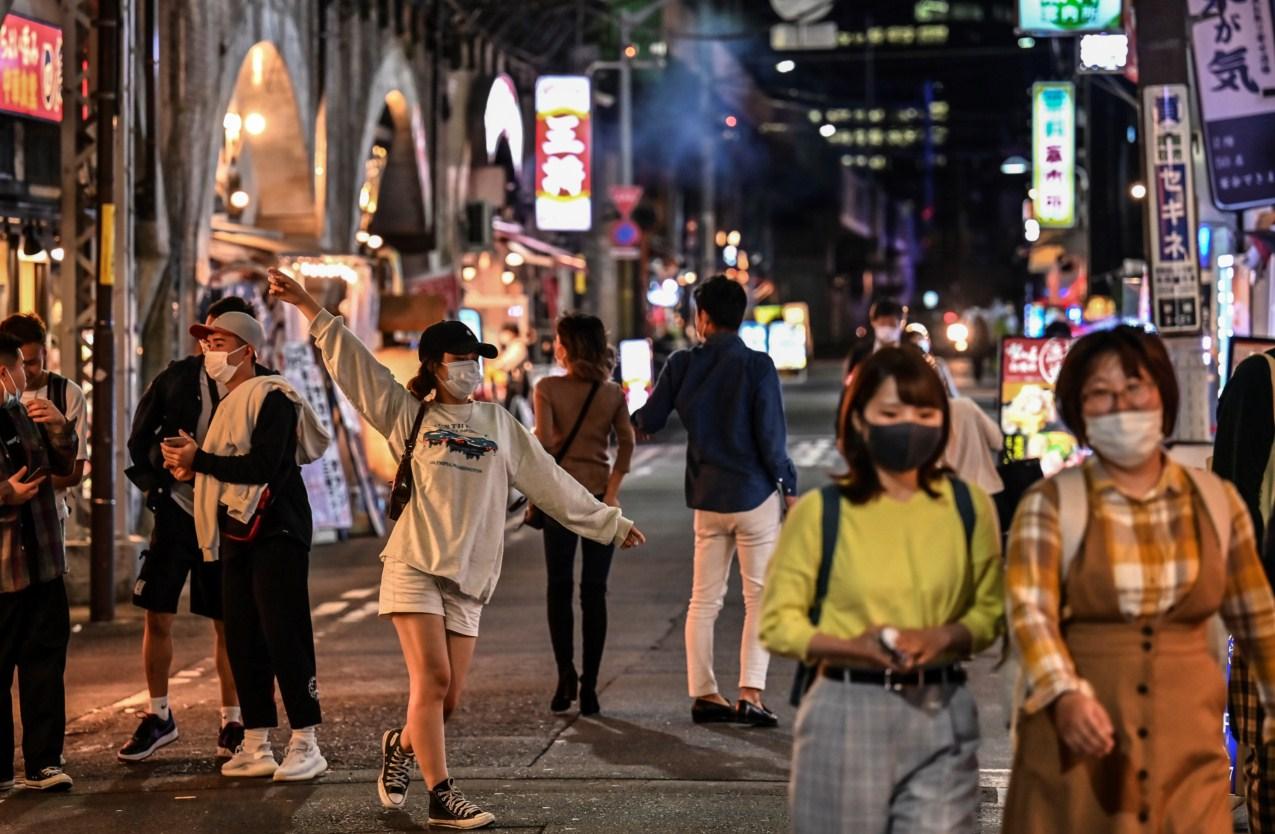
[406,590]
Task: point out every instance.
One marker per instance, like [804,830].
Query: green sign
[1054,154]
[1068,17]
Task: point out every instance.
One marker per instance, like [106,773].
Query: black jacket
[271,460]
[171,405]
[1245,434]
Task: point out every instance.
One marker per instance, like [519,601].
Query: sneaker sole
[162,741]
[381,793]
[255,772]
[56,787]
[483,820]
[320,767]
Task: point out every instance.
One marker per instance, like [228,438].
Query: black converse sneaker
[396,770]
[448,808]
[49,779]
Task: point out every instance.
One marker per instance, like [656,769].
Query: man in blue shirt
[739,481]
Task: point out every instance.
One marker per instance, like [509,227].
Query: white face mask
[9,386]
[463,379]
[1126,438]
[217,364]
[888,334]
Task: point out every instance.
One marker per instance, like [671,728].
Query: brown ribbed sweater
[558,401]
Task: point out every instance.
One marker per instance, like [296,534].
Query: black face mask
[901,447]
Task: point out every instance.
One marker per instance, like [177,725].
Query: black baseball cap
[455,338]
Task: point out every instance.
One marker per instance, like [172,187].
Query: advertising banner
[1054,154]
[1028,415]
[1068,17]
[30,68]
[564,151]
[1234,47]
[1175,271]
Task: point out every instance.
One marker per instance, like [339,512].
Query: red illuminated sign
[30,68]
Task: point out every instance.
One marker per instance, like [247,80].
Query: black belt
[953,674]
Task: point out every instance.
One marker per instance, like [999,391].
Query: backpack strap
[1216,503]
[57,392]
[831,495]
[1073,515]
[965,508]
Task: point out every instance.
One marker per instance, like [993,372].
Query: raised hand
[287,289]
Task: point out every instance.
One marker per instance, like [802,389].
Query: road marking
[359,593]
[814,453]
[360,614]
[327,609]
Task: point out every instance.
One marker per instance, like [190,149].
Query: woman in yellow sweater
[886,739]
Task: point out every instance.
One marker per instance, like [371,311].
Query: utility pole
[110,29]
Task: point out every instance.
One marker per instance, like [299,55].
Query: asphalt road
[640,766]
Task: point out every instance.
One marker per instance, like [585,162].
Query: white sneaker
[302,762]
[250,764]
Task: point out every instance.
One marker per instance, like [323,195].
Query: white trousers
[717,538]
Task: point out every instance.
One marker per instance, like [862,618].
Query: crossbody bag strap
[831,520]
[410,446]
[584,412]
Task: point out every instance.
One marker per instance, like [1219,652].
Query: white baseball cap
[240,325]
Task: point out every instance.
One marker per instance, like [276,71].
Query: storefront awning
[532,247]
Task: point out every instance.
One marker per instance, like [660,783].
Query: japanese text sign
[1068,17]
[1234,47]
[30,68]
[1029,417]
[1175,279]
[1054,154]
[564,148]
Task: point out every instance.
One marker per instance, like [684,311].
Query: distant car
[471,447]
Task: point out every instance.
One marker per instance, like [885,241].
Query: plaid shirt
[1154,549]
[21,568]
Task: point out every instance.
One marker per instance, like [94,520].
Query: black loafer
[749,713]
[704,711]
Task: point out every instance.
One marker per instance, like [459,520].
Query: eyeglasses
[1102,399]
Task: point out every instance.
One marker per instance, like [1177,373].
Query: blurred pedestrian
[884,582]
[982,346]
[1242,453]
[252,514]
[36,441]
[974,446]
[576,416]
[918,335]
[182,399]
[1116,571]
[887,318]
[442,560]
[1058,329]
[43,384]
[739,481]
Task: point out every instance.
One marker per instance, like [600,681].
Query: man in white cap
[252,512]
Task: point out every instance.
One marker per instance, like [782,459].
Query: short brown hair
[584,338]
[1137,351]
[27,328]
[918,386]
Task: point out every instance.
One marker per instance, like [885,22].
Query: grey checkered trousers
[870,760]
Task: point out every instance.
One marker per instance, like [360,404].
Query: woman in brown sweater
[581,347]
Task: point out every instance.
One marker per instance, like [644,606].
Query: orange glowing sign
[30,68]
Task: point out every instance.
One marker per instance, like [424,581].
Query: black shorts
[174,553]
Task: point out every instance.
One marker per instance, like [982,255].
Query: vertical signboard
[1234,46]
[30,68]
[563,153]
[1054,153]
[1029,417]
[1175,276]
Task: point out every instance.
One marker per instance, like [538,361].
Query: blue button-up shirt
[728,397]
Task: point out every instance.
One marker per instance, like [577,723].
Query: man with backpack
[66,396]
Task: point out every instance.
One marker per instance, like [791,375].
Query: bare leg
[157,652]
[461,651]
[229,697]
[423,640]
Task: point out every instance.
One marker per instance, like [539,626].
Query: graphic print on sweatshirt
[459,439]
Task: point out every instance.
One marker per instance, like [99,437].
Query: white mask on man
[463,379]
[888,334]
[217,364]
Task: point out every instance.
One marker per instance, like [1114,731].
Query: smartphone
[174,441]
[888,639]
[40,472]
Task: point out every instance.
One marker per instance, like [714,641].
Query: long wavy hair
[584,338]
[918,386]
[424,385]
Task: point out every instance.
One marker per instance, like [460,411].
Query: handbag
[404,484]
[535,517]
[246,532]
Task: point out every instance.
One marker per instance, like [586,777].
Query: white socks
[159,707]
[305,734]
[229,714]
[256,739]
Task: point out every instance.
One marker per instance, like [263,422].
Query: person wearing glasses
[443,557]
[1115,573]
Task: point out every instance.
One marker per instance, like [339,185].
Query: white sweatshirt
[466,457]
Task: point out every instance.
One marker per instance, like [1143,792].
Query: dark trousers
[35,627]
[269,637]
[560,557]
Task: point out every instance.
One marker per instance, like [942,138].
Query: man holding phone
[183,398]
[35,622]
